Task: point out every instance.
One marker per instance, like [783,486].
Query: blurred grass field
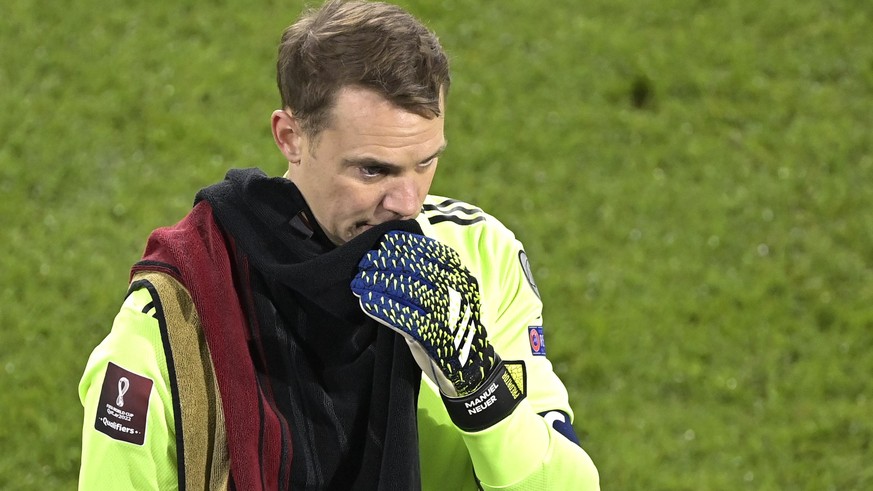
[692,180]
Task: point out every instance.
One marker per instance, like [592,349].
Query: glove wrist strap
[495,400]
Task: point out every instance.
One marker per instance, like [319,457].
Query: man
[276,337]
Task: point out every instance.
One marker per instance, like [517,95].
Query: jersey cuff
[509,451]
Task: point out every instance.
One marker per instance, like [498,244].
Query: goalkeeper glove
[418,287]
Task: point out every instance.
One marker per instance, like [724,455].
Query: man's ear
[287,135]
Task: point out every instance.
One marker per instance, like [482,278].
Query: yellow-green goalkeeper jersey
[132,445]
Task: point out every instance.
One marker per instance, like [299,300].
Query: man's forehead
[361,117]
[354,99]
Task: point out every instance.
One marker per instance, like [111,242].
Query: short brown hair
[357,43]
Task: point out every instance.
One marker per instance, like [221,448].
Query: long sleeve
[523,451]
[128,436]
[153,418]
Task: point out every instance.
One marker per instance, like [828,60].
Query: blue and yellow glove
[418,287]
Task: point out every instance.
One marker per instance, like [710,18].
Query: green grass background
[691,179]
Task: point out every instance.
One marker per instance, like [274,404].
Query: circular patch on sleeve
[537,340]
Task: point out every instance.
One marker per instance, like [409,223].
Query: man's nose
[402,198]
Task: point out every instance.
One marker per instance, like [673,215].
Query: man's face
[374,163]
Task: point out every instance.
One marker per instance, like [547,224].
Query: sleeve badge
[124,405]
[537,341]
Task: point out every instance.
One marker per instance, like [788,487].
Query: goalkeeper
[337,327]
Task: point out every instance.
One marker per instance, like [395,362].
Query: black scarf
[345,387]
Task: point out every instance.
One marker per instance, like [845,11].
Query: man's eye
[372,170]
